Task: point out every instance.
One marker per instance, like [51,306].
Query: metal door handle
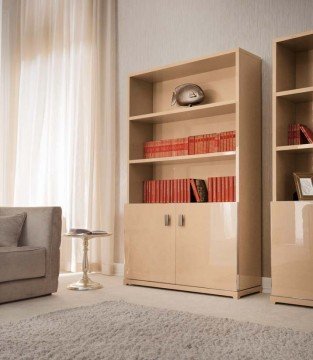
[181,220]
[167,220]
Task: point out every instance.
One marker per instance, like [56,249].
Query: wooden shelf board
[297,95]
[188,113]
[296,148]
[196,66]
[187,158]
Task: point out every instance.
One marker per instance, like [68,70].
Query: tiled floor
[254,308]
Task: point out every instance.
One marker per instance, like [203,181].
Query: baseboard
[118,269]
[267,285]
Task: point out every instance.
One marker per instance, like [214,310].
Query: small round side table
[85,283]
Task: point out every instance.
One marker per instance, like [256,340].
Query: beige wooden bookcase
[291,221]
[218,249]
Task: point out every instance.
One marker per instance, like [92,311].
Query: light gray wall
[152,33]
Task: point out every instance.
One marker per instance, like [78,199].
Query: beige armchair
[32,268]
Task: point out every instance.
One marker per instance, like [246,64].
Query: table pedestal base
[85,284]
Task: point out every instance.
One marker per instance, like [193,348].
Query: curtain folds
[57,124]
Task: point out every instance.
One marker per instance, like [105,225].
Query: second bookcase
[204,247]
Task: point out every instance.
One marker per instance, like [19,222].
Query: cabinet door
[149,243]
[206,245]
[292,249]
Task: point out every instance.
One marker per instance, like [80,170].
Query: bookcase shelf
[188,113]
[196,246]
[297,95]
[304,148]
[199,158]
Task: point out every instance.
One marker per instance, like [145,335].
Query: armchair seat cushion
[24,262]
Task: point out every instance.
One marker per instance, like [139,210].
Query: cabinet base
[291,301]
[234,294]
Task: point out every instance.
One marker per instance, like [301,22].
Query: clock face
[306,186]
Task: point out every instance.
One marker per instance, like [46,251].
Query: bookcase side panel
[249,142]
[140,97]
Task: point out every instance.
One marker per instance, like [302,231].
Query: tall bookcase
[217,249]
[291,221]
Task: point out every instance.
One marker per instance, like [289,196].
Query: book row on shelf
[199,144]
[220,189]
[299,134]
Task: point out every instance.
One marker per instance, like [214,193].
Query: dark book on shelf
[202,190]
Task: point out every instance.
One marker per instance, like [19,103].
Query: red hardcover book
[186,146]
[185,190]
[234,186]
[182,193]
[219,190]
[191,145]
[164,191]
[221,143]
[164,148]
[152,149]
[307,133]
[199,144]
[231,188]
[188,191]
[216,142]
[170,147]
[195,190]
[214,188]
[157,191]
[209,142]
[175,191]
[223,188]
[171,191]
[174,147]
[297,134]
[210,190]
[206,143]
[229,140]
[154,152]
[226,184]
[152,192]
[179,147]
[179,190]
[160,190]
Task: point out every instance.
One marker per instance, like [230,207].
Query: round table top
[87,236]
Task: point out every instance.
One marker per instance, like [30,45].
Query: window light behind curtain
[57,115]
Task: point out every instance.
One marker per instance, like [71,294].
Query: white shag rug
[120,330]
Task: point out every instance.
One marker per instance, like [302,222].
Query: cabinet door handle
[167,220]
[181,220]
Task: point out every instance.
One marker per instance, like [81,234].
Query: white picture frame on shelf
[304,185]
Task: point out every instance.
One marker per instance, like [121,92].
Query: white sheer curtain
[58,115]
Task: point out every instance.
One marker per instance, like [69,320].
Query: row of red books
[200,144]
[221,189]
[175,191]
[299,134]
